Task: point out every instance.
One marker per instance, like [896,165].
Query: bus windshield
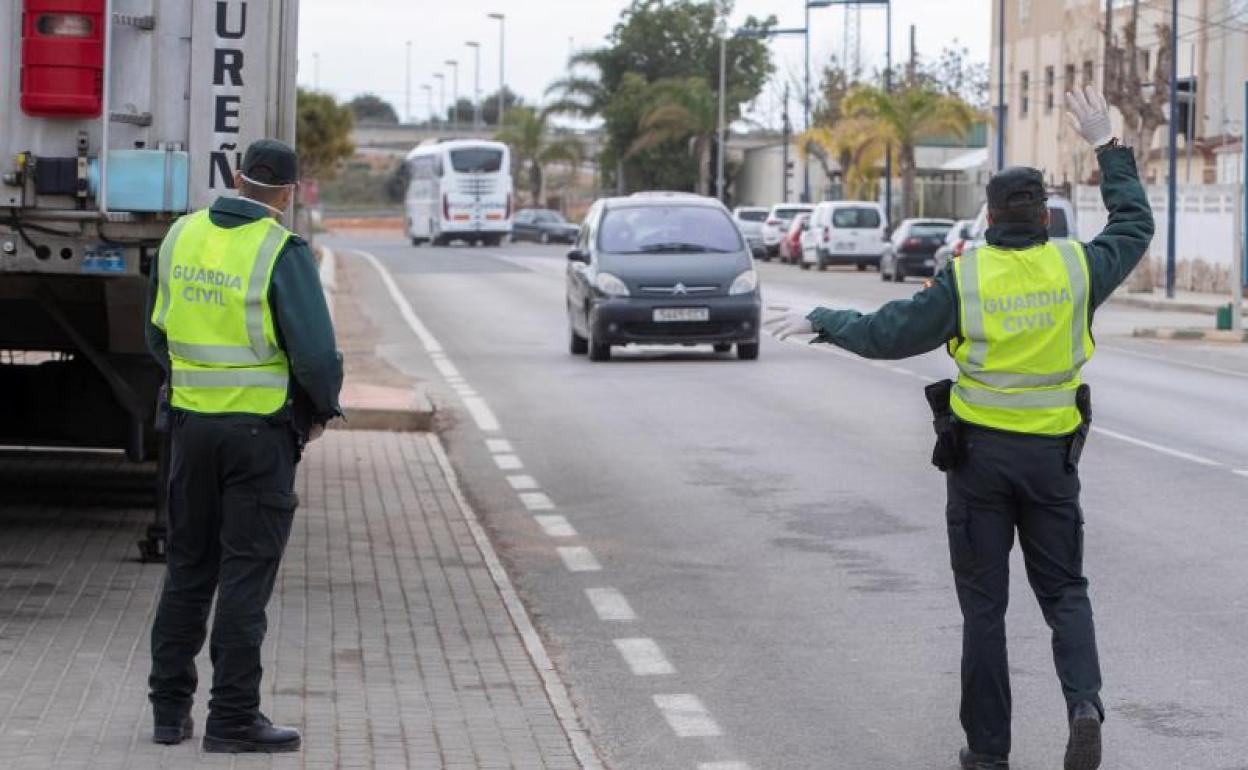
[477,160]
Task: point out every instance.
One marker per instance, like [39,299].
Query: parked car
[845,233]
[791,244]
[1061,221]
[650,270]
[542,226]
[957,239]
[912,249]
[751,219]
[777,224]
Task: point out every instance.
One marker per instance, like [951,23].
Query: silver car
[751,220]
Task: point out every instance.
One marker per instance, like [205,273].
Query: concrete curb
[1207,335]
[1173,306]
[329,276]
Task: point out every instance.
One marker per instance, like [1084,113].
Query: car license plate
[845,247]
[681,314]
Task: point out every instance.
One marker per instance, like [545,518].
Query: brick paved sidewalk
[389,642]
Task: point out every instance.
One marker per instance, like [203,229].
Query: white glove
[1089,116]
[785,324]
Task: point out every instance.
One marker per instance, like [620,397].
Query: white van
[845,233]
[460,190]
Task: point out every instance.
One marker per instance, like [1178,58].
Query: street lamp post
[441,78]
[721,132]
[1001,85]
[476,82]
[502,72]
[454,65]
[316,72]
[1172,204]
[408,90]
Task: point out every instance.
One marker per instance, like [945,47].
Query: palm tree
[857,148]
[682,109]
[534,146]
[906,117]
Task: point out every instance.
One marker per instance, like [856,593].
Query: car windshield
[855,218]
[752,216]
[788,214]
[930,228]
[551,216]
[477,160]
[676,229]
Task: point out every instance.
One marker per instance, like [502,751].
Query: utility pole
[721,131]
[476,83]
[441,78]
[1001,85]
[428,89]
[1191,113]
[1172,204]
[888,88]
[1239,259]
[914,57]
[806,105]
[454,65]
[787,138]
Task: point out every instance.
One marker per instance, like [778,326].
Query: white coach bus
[459,190]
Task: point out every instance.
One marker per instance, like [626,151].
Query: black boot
[173,731]
[1083,750]
[973,760]
[261,736]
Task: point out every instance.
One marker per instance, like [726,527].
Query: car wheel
[723,348]
[545,239]
[899,273]
[747,351]
[862,267]
[577,345]
[805,265]
[598,351]
[416,241]
[883,274]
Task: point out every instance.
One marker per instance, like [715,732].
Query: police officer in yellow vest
[1015,315]
[238,318]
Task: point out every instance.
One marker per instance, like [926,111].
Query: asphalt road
[777,534]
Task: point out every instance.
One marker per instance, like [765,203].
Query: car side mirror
[576,255]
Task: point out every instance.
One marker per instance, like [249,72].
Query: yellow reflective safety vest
[212,304]
[1025,337]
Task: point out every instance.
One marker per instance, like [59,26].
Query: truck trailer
[116,118]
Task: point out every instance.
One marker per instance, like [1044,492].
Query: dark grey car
[661,271]
[542,226]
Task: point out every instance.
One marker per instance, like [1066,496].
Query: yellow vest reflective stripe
[1024,318]
[212,304]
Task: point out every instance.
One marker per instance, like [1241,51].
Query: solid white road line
[687,716]
[498,445]
[536,501]
[556,688]
[522,482]
[444,366]
[723,766]
[1165,450]
[578,558]
[1173,362]
[405,308]
[644,658]
[555,526]
[610,604]
[508,462]
[1243,473]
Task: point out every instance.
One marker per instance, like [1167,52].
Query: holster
[1083,400]
[162,415]
[948,453]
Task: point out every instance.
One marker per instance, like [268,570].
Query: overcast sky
[361,45]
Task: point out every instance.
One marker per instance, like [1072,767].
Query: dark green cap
[270,162]
[1016,188]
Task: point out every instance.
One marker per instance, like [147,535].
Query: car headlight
[610,285]
[745,283]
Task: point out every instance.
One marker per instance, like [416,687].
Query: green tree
[370,108]
[681,110]
[534,146]
[657,40]
[323,134]
[905,117]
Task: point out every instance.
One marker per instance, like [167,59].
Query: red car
[791,243]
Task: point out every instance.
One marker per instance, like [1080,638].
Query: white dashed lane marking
[536,501]
[578,558]
[481,413]
[687,716]
[1165,450]
[498,445]
[610,605]
[522,482]
[644,658]
[508,462]
[555,526]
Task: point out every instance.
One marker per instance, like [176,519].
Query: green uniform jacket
[300,315]
[927,321]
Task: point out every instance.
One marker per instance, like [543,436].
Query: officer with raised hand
[238,319]
[1016,316]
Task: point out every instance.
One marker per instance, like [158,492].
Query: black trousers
[231,505]
[1006,482]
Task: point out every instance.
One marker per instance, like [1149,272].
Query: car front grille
[679,290]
